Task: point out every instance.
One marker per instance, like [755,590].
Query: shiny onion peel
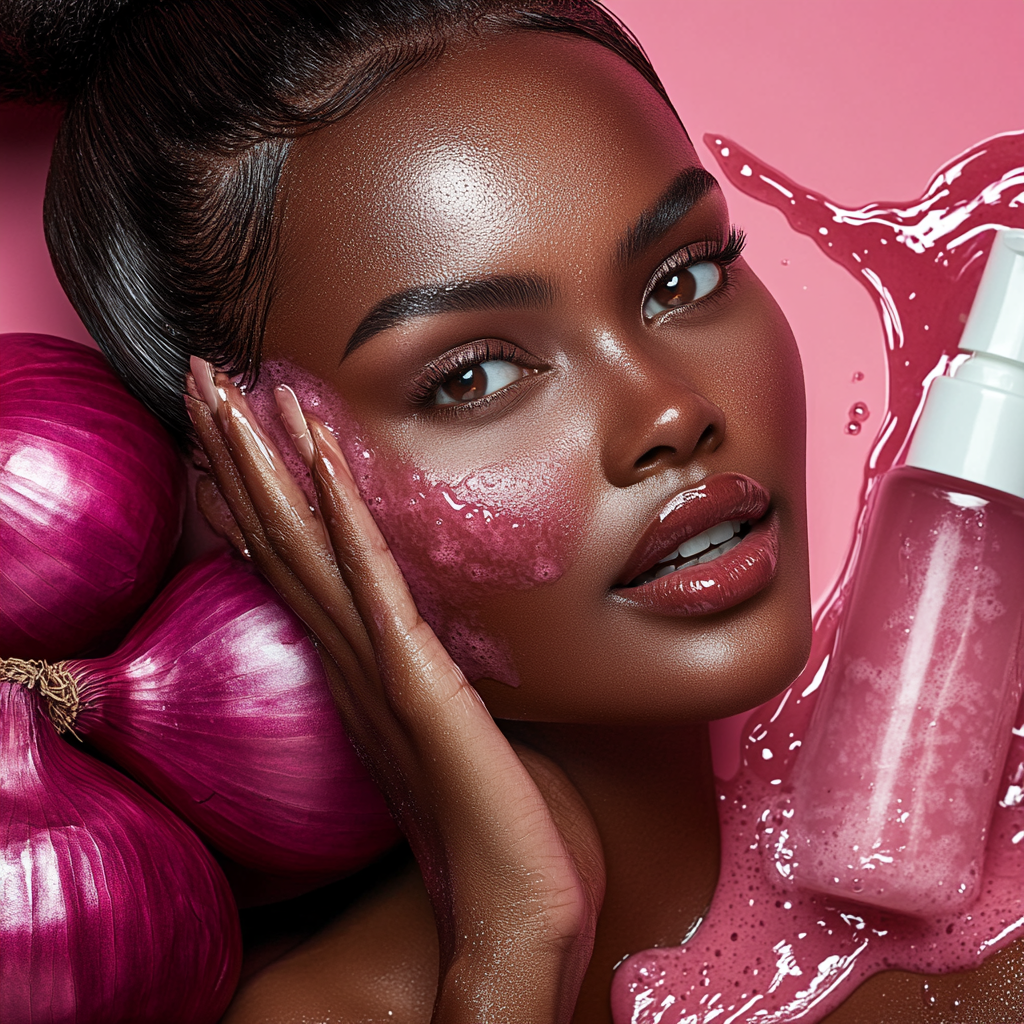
[91,498]
[217,702]
[111,909]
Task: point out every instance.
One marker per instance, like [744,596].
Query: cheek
[458,542]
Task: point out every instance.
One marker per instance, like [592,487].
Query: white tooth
[721,532]
[735,524]
[694,544]
[710,556]
[664,571]
[730,544]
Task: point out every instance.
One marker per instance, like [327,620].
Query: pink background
[861,99]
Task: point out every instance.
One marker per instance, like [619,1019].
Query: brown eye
[682,286]
[479,381]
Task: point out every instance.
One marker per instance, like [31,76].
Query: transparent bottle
[893,793]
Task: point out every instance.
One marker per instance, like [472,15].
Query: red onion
[91,498]
[217,702]
[111,909]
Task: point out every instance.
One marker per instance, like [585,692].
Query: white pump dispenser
[972,424]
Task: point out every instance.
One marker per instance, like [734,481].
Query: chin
[697,670]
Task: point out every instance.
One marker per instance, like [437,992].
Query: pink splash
[496,530]
[768,952]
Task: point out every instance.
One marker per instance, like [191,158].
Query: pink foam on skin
[768,952]
[495,530]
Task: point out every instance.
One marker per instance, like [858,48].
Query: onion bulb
[111,909]
[91,498]
[218,703]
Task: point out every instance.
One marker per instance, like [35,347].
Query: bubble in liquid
[859,412]
[853,427]
[857,376]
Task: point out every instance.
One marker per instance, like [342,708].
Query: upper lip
[726,496]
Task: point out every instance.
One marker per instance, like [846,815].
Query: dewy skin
[453,540]
[768,950]
[896,782]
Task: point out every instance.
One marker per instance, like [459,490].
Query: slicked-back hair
[160,205]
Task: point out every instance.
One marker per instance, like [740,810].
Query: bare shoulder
[376,962]
[991,994]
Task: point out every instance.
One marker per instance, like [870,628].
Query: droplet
[928,997]
[785,263]
[853,427]
[859,412]
[857,376]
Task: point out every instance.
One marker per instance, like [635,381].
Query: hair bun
[47,47]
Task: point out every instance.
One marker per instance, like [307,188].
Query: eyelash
[423,390]
[721,251]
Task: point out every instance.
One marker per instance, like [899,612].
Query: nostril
[707,439]
[653,456]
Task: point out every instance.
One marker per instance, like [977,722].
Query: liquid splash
[768,952]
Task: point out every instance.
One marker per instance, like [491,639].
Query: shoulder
[377,961]
[990,994]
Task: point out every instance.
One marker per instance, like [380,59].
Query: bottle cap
[996,321]
[972,424]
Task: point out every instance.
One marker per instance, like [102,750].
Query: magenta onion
[217,702]
[111,909]
[91,498]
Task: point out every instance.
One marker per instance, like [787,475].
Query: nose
[660,423]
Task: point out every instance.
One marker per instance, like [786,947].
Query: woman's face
[538,406]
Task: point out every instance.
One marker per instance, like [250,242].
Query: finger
[285,582]
[403,640]
[273,492]
[284,533]
[215,511]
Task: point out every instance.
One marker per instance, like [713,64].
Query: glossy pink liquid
[896,783]
[768,952]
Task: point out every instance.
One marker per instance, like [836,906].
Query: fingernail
[331,461]
[295,422]
[202,372]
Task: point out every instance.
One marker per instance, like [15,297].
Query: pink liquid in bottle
[894,789]
[767,951]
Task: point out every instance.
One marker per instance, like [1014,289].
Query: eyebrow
[685,192]
[507,291]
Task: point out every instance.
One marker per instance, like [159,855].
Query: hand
[508,851]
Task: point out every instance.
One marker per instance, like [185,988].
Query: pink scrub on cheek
[456,542]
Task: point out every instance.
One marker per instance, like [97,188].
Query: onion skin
[91,498]
[111,910]
[217,702]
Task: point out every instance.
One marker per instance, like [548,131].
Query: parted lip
[726,496]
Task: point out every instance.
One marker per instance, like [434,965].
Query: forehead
[509,153]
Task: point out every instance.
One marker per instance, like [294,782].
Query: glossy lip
[713,586]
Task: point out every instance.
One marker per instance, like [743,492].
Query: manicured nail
[213,396]
[330,461]
[237,412]
[295,422]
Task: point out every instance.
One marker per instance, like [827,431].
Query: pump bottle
[894,789]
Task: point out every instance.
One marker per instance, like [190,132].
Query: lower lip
[723,583]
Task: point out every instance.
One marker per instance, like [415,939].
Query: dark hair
[159,209]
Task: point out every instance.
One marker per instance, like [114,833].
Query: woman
[482,228]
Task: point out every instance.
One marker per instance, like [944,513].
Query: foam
[768,952]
